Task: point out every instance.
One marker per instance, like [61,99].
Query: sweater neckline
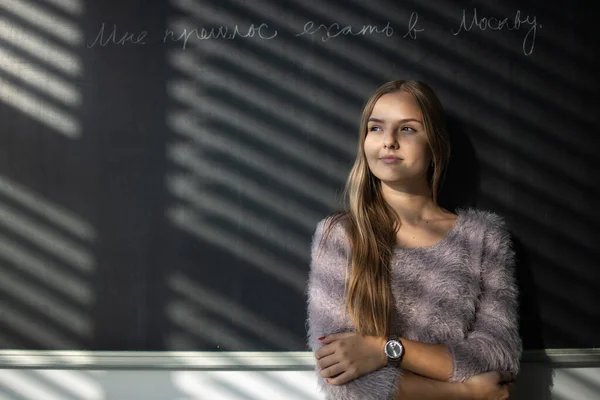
[459,217]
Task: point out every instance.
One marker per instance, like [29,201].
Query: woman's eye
[373,128]
[408,127]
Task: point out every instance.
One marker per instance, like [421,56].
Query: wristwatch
[394,350]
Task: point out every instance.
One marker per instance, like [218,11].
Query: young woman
[407,300]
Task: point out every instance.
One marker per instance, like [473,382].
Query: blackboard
[163,164]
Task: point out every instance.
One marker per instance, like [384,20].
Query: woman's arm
[416,387]
[493,344]
[348,355]
[431,360]
[352,355]
[326,315]
[484,386]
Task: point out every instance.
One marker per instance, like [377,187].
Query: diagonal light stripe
[186,188]
[303,121]
[286,207]
[40,48]
[43,334]
[571,53]
[38,109]
[374,67]
[77,383]
[247,60]
[442,69]
[267,384]
[222,305]
[21,382]
[205,387]
[559,227]
[192,222]
[37,298]
[185,156]
[45,271]
[47,239]
[74,7]
[52,212]
[189,318]
[524,75]
[326,68]
[265,164]
[31,74]
[45,19]
[547,151]
[547,184]
[275,75]
[304,386]
[540,91]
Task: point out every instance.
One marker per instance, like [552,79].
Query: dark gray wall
[161,194]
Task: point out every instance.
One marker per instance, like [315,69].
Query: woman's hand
[347,356]
[489,386]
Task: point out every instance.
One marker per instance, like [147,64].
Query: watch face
[393,349]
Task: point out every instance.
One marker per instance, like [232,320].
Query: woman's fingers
[336,336]
[324,351]
[332,370]
[344,377]
[351,355]
[327,361]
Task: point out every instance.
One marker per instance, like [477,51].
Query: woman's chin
[400,181]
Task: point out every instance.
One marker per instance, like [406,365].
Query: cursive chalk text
[469,21]
[121,39]
[412,23]
[222,32]
[496,24]
[334,30]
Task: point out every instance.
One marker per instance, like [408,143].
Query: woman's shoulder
[482,220]
[337,223]
[332,231]
[487,228]
[330,249]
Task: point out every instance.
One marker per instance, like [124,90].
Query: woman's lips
[390,160]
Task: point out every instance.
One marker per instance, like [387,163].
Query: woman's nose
[389,141]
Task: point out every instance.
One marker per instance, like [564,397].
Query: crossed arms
[493,344]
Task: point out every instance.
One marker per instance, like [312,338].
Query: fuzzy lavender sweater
[460,292]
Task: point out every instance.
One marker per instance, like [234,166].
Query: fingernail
[327,380]
[322,337]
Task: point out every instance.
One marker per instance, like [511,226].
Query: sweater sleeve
[326,315]
[493,343]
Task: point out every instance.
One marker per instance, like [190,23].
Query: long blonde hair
[372,224]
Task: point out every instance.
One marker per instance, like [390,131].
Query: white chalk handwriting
[113,38]
[222,32]
[412,31]
[497,24]
[263,31]
[335,29]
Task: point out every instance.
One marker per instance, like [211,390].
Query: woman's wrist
[427,359]
[379,346]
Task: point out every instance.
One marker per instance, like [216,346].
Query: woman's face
[396,129]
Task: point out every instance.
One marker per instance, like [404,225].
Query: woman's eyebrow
[381,121]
